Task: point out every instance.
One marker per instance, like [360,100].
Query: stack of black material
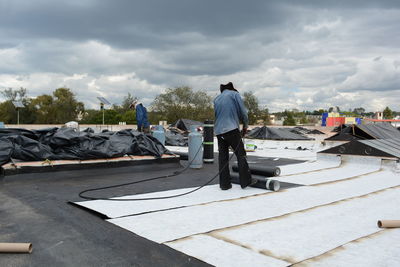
[262,174]
[67,143]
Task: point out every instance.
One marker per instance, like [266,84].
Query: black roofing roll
[208,143]
[268,171]
[262,182]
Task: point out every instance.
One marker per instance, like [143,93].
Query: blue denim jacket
[229,111]
[141,116]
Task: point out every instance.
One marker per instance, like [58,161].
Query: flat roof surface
[331,220]
[35,209]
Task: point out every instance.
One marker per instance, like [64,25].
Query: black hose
[81,194]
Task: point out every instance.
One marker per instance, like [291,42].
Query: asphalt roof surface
[35,209]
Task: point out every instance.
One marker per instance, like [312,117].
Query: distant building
[378,115]
[272,119]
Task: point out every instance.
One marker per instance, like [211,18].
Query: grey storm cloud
[291,54]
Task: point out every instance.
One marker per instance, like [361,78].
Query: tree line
[174,103]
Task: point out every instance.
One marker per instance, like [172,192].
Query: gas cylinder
[159,134]
[195,148]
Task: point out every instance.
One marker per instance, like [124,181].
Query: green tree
[127,101]
[8,112]
[45,109]
[251,103]
[303,120]
[387,113]
[359,111]
[92,116]
[129,117]
[183,102]
[15,95]
[67,107]
[264,115]
[289,119]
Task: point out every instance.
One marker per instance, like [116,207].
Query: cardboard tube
[15,247]
[389,223]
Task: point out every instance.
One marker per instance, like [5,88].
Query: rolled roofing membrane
[211,193]
[220,253]
[322,162]
[315,231]
[381,249]
[350,167]
[179,223]
[115,209]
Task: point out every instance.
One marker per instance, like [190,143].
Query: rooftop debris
[69,144]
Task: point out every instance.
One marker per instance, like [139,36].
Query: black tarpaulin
[175,139]
[275,134]
[66,143]
[302,130]
[185,124]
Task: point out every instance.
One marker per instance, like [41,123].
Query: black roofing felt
[302,130]
[275,134]
[389,146]
[366,131]
[386,148]
[34,209]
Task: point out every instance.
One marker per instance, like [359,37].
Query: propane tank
[159,134]
[208,156]
[195,148]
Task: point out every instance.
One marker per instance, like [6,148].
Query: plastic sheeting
[185,124]
[175,139]
[275,134]
[66,143]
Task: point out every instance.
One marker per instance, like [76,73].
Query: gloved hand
[244,132]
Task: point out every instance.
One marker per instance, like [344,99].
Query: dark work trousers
[143,129]
[232,139]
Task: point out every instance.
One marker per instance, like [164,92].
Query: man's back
[229,111]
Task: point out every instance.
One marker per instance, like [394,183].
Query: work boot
[227,187]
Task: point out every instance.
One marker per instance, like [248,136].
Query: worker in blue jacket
[143,124]
[229,111]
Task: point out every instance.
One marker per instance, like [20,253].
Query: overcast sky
[291,54]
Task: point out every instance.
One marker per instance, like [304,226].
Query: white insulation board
[169,225]
[221,253]
[323,162]
[381,249]
[350,167]
[310,233]
[211,193]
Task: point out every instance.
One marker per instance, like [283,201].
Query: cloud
[291,54]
